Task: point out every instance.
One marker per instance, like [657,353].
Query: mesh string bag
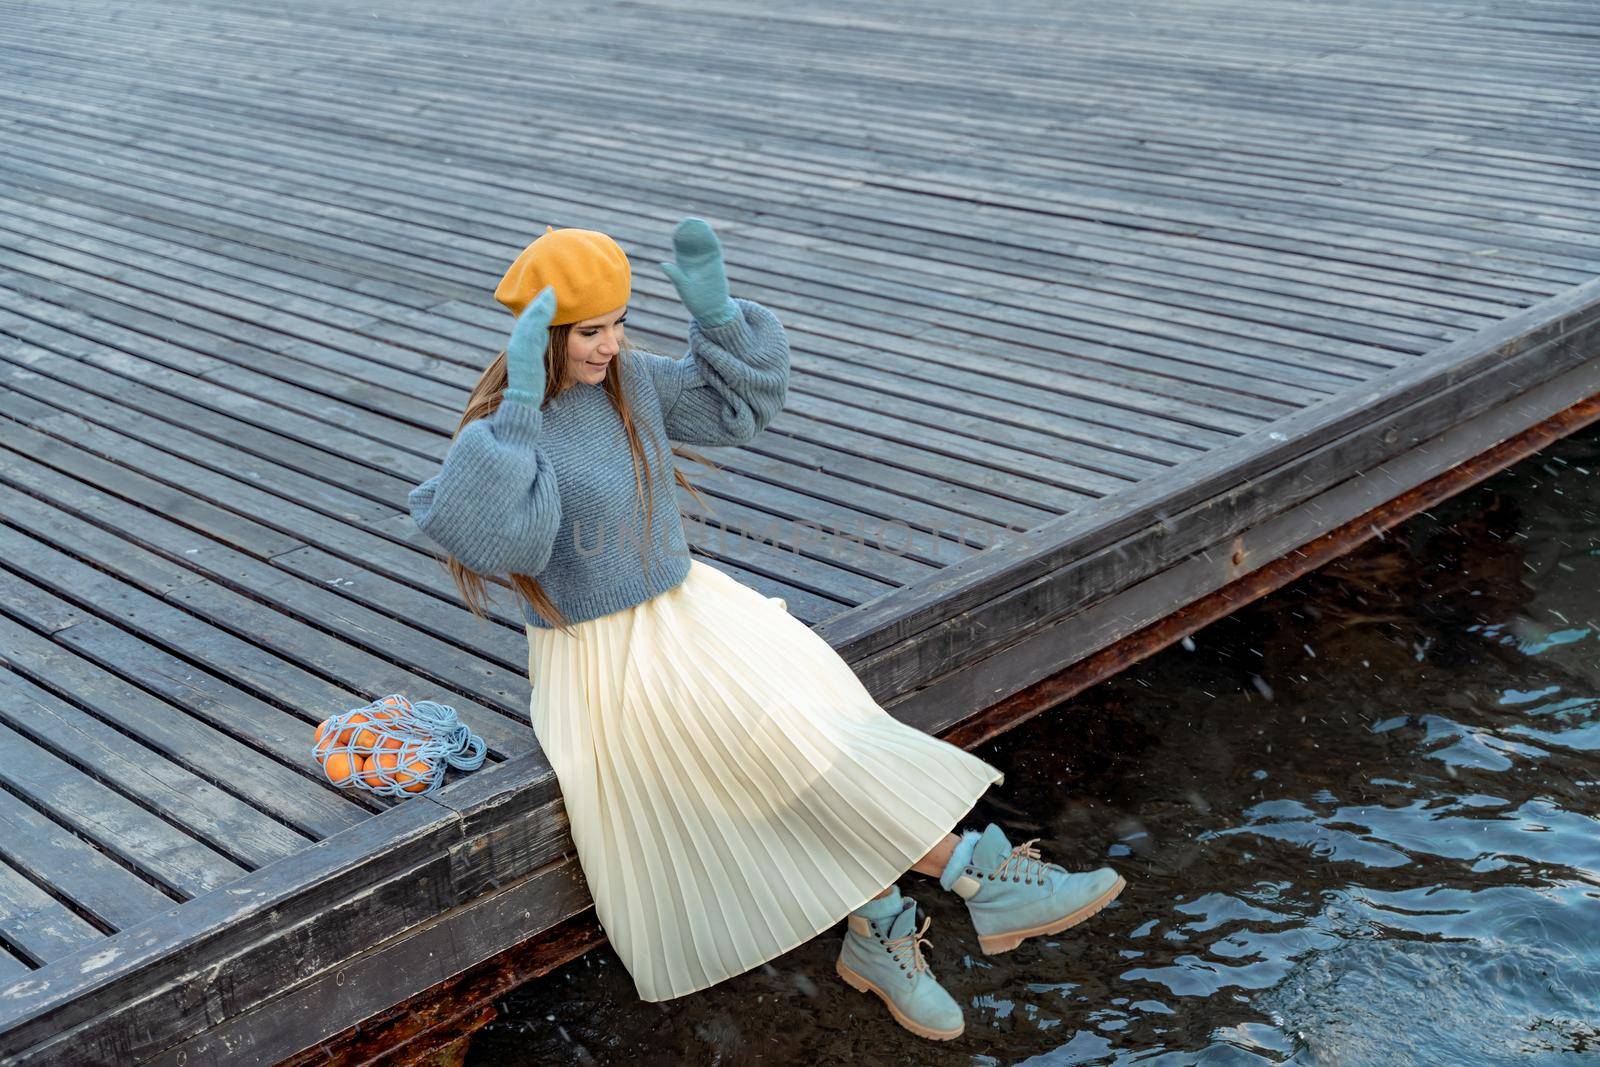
[393,747]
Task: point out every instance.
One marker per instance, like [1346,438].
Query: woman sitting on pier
[732,788]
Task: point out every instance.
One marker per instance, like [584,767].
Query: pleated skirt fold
[733,789]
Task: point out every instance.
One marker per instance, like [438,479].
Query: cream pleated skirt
[733,789]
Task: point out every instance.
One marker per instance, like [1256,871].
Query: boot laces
[1025,860]
[908,948]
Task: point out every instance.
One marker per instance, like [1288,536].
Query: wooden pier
[1104,318]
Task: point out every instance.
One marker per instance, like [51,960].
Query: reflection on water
[1359,820]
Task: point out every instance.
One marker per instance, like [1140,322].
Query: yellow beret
[589,270]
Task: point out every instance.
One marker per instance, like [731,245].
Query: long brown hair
[485,399]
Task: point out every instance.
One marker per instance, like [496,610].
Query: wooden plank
[802,604]
[321,332]
[39,386]
[1120,309]
[856,543]
[1038,479]
[156,405]
[197,586]
[97,886]
[30,451]
[1111,391]
[290,792]
[271,407]
[1000,72]
[227,526]
[278,927]
[223,703]
[53,104]
[975,510]
[169,790]
[160,955]
[185,865]
[756,468]
[1100,574]
[862,536]
[418,959]
[276,656]
[185,479]
[1266,496]
[956,472]
[1049,649]
[719,536]
[1555,329]
[11,968]
[36,924]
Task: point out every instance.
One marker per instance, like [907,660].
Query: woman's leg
[933,863]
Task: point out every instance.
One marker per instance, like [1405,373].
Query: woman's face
[593,344]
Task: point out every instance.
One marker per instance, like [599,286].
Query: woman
[732,788]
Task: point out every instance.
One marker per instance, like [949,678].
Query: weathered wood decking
[1093,310]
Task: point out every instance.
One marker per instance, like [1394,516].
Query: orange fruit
[350,731]
[369,772]
[338,767]
[369,764]
[411,774]
[417,780]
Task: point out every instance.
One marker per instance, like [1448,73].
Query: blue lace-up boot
[882,953]
[1013,894]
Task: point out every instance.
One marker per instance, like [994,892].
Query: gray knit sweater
[549,491]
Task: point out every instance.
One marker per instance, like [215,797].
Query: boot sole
[994,944]
[856,981]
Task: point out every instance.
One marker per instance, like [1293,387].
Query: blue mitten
[699,275]
[525,375]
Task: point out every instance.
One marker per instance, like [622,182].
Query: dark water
[1359,819]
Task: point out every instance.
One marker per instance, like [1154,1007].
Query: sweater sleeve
[729,385]
[495,504]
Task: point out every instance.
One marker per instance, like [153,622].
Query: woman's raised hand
[525,374]
[699,274]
